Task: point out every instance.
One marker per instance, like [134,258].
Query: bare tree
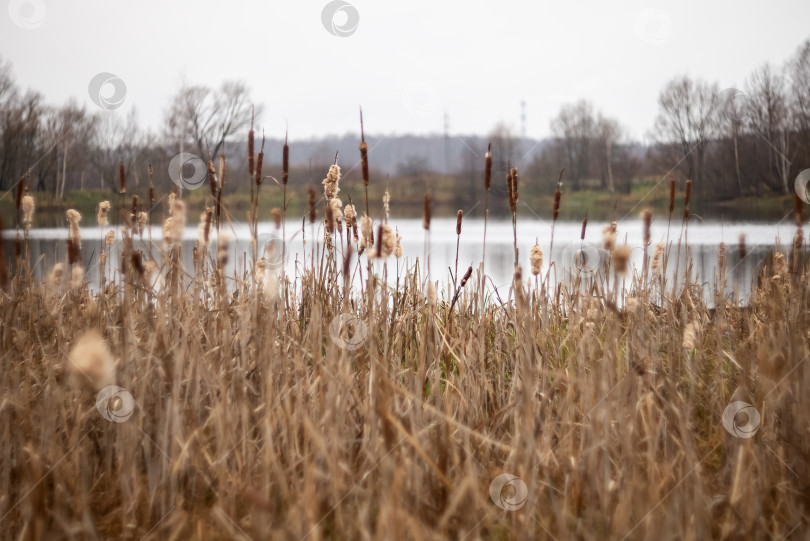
[574,129]
[608,133]
[768,116]
[20,119]
[116,140]
[207,117]
[686,118]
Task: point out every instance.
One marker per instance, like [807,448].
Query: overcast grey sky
[404,62]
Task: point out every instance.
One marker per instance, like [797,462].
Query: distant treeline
[732,142]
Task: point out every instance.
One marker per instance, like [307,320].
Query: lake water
[48,247]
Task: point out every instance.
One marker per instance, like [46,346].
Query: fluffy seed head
[91,363]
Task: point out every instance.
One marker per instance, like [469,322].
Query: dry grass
[251,421]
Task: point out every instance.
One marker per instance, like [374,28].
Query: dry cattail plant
[584,225]
[687,192]
[313,210]
[331,182]
[28,210]
[122,179]
[91,363]
[536,259]
[101,216]
[260,163]
[426,213]
[620,258]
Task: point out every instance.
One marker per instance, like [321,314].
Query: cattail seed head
[686,214]
[687,192]
[223,244]
[741,246]
[77,276]
[656,261]
[647,217]
[515,183]
[364,162]
[313,211]
[19,194]
[459,215]
[143,217]
[388,243]
[386,204]
[621,257]
[466,276]
[28,210]
[101,216]
[721,256]
[536,259]
[109,238]
[488,168]
[367,229]
[331,182]
[55,277]
[251,151]
[584,225]
[351,216]
[221,175]
[134,209]
[212,178]
[91,363]
[557,196]
[122,178]
[259,163]
[285,163]
[426,213]
[398,246]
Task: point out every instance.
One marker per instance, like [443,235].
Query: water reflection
[570,257]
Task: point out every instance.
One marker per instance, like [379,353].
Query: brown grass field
[327,405]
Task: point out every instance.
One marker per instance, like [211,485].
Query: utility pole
[446,139]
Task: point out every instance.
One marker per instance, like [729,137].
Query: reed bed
[265,405]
